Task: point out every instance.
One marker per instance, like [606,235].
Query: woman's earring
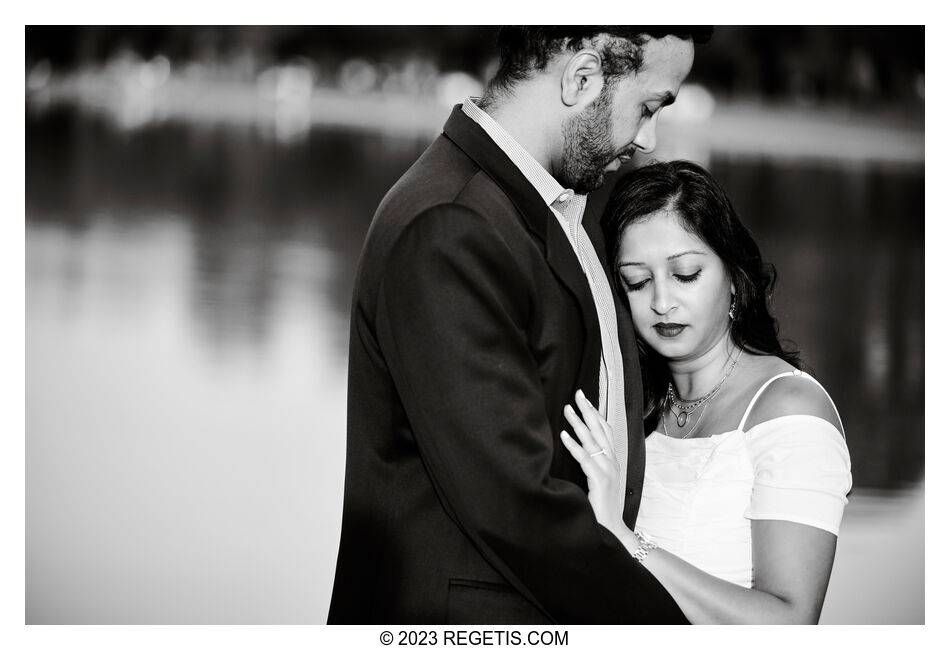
[732,308]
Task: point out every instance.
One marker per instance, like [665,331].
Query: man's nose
[646,137]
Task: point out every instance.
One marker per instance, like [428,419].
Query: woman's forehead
[665,227]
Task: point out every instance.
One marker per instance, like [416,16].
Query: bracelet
[644,547]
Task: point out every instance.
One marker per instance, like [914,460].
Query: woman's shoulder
[785,391]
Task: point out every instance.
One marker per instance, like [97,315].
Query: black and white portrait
[307,311]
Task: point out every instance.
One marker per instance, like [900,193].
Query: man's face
[622,119]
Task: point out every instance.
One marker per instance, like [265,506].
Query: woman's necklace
[692,429]
[689,406]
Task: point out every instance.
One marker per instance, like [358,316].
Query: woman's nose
[662,301]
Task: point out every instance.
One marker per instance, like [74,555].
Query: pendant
[682,419]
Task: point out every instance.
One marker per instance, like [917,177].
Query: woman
[747,470]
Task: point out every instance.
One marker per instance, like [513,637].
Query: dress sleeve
[802,471]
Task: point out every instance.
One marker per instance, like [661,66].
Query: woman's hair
[705,211]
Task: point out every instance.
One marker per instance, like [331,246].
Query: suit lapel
[633,383]
[561,258]
[538,217]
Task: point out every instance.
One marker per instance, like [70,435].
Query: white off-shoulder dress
[700,494]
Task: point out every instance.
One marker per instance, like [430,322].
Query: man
[481,305]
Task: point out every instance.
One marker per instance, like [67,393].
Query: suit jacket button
[629,492]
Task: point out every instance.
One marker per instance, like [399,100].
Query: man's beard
[588,146]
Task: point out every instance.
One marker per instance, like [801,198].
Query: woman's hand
[595,453]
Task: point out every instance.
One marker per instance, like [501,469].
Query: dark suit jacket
[472,326]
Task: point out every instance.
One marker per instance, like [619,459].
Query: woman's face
[678,289]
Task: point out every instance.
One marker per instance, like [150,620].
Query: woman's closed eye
[683,278]
[635,286]
[687,278]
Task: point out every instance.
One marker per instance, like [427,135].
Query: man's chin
[584,184]
[589,186]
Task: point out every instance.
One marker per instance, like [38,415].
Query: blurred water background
[196,202]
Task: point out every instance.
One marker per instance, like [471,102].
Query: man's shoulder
[443,175]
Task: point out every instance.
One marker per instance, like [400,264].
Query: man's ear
[582,78]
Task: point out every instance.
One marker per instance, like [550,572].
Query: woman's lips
[669,330]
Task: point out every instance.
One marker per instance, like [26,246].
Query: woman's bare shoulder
[793,394]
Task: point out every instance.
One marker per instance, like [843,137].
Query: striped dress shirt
[568,207]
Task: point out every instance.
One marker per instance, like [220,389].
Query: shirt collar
[552,192]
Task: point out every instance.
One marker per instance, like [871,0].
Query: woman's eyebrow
[673,257]
[668,259]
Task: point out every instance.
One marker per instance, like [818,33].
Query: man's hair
[526,49]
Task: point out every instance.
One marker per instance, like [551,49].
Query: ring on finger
[598,453]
